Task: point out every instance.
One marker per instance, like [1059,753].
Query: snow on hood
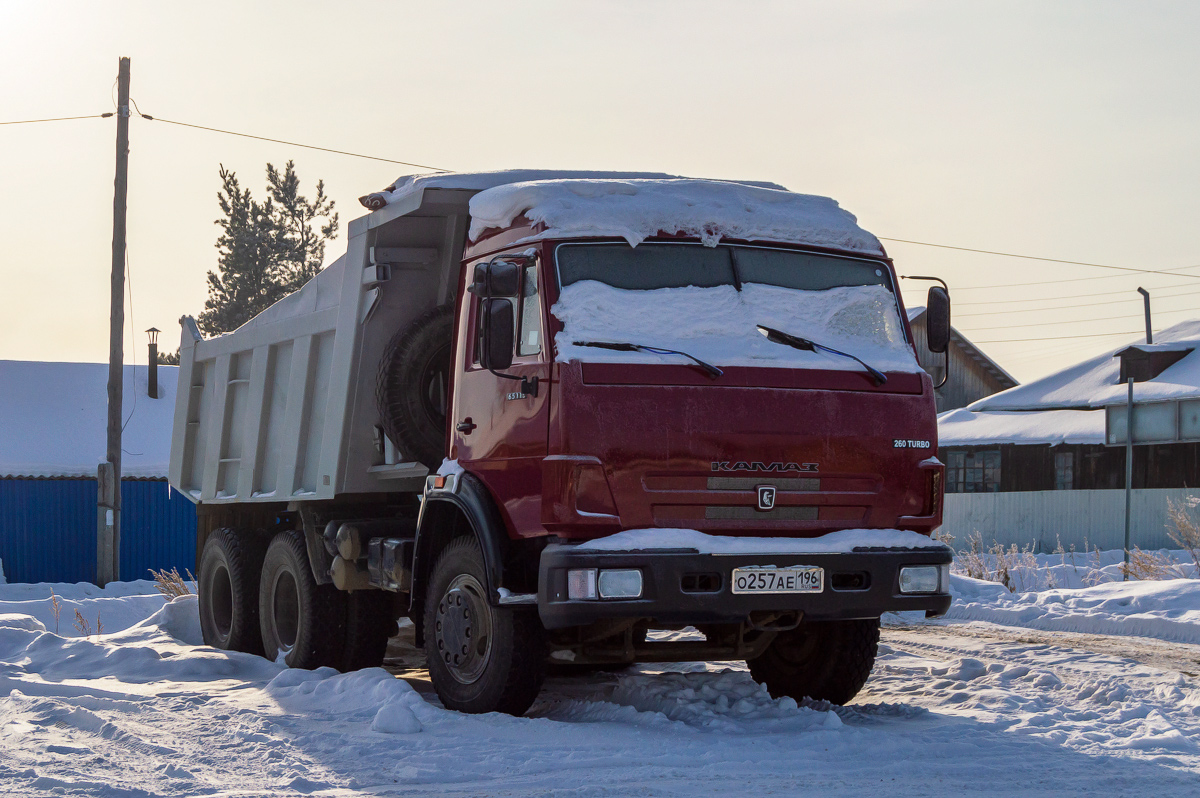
[718,324]
[637,209]
[53,419]
[963,427]
[1094,382]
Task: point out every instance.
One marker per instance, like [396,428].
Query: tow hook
[766,621]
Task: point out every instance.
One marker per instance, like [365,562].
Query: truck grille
[750,483]
[739,513]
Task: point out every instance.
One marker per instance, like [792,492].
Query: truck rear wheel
[228,591]
[481,658]
[370,621]
[824,660]
[412,385]
[300,620]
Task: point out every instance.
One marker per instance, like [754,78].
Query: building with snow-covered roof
[973,375]
[1045,461]
[53,436]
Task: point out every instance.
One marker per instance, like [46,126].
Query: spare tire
[413,384]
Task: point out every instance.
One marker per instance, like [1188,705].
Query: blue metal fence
[48,529]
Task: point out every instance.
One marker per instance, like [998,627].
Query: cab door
[499,429]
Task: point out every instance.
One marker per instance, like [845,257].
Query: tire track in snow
[1168,655]
[1094,702]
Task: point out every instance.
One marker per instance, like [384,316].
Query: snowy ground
[954,707]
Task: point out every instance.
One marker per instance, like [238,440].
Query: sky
[1063,130]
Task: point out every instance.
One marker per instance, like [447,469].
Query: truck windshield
[651,266]
[710,302]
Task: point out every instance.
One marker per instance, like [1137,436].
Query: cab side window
[529,320]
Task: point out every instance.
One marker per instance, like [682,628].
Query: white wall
[1043,518]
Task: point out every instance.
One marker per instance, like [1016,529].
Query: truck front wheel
[481,658]
[300,620]
[228,588]
[824,660]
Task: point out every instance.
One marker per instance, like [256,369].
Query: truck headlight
[626,584]
[581,584]
[919,578]
[589,584]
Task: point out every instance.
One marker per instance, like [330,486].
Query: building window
[1064,470]
[973,472]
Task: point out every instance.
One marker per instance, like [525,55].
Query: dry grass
[1019,570]
[1184,529]
[1153,565]
[171,584]
[56,605]
[1016,569]
[85,628]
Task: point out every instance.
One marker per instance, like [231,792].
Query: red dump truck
[546,415]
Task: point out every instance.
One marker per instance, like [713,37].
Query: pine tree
[267,249]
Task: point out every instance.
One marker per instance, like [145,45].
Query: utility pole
[1128,477]
[108,539]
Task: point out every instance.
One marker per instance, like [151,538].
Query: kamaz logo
[743,465]
[766,497]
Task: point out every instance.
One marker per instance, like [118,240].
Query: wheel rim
[285,611]
[220,600]
[463,629]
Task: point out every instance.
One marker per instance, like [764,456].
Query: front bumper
[670,579]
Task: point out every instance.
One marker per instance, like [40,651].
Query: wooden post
[110,533]
[105,516]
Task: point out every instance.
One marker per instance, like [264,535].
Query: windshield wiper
[712,371]
[796,342]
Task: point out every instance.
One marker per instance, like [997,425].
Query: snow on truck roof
[53,420]
[637,205]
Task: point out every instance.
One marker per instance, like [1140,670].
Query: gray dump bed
[284,408]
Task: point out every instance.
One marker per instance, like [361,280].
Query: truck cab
[660,404]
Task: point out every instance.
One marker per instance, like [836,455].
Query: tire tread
[243,554]
[849,652]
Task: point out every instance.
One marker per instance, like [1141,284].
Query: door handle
[466,426]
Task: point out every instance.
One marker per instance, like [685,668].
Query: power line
[57,119]
[291,143]
[1070,279]
[1068,296]
[1056,337]
[1079,321]
[1075,305]
[1036,257]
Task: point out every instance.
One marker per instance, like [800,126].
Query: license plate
[796,579]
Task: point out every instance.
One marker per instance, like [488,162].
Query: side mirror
[937,319]
[496,278]
[497,353]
